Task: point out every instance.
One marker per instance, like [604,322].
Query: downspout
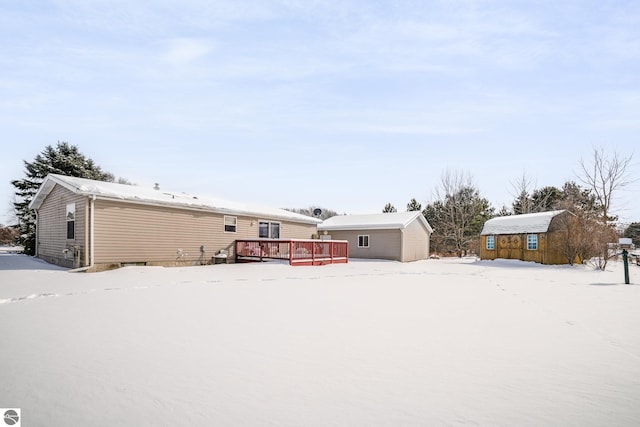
[37,228]
[91,237]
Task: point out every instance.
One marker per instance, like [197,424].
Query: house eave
[222,211]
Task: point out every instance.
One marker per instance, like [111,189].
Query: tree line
[457,213]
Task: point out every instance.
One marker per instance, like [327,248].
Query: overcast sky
[343,104]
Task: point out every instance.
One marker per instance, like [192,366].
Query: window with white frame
[268,230]
[491,243]
[71,221]
[230,224]
[532,242]
[363,241]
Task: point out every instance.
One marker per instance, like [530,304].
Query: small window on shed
[491,243]
[532,242]
[71,221]
[363,241]
[230,224]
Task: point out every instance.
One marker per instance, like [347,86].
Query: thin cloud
[186,50]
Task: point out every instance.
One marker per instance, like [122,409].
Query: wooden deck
[297,252]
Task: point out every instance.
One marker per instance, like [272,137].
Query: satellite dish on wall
[317,212]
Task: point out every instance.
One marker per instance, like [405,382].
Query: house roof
[382,221]
[143,195]
[516,224]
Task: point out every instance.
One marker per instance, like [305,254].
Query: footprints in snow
[189,282]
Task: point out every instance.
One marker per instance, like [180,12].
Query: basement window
[363,241]
[532,242]
[71,221]
[230,224]
[491,243]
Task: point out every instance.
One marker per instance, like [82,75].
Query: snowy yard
[439,342]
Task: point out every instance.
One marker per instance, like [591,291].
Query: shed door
[510,247]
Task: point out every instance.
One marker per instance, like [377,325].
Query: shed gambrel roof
[150,196]
[517,224]
[382,221]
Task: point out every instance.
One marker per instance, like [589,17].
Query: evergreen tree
[575,198]
[546,199]
[389,208]
[63,159]
[522,204]
[504,211]
[413,206]
[633,232]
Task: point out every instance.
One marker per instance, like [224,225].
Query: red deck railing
[297,252]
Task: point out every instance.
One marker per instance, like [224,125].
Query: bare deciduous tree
[522,189]
[604,174]
[529,199]
[459,212]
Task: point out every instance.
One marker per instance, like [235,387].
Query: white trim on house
[70,218]
[233,224]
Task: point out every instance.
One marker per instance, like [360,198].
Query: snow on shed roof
[136,194]
[515,224]
[381,221]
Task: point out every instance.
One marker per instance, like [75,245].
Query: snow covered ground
[370,343]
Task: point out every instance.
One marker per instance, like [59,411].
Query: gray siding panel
[383,244]
[415,242]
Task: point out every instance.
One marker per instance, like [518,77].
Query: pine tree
[633,232]
[413,206]
[389,208]
[63,159]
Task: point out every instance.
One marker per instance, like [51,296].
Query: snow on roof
[136,194]
[381,221]
[515,224]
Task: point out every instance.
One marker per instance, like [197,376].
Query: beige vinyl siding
[138,233]
[415,242]
[52,228]
[383,244]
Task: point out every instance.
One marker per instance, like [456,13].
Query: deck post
[290,252]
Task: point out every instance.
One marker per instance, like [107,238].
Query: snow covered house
[100,225]
[538,237]
[399,236]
